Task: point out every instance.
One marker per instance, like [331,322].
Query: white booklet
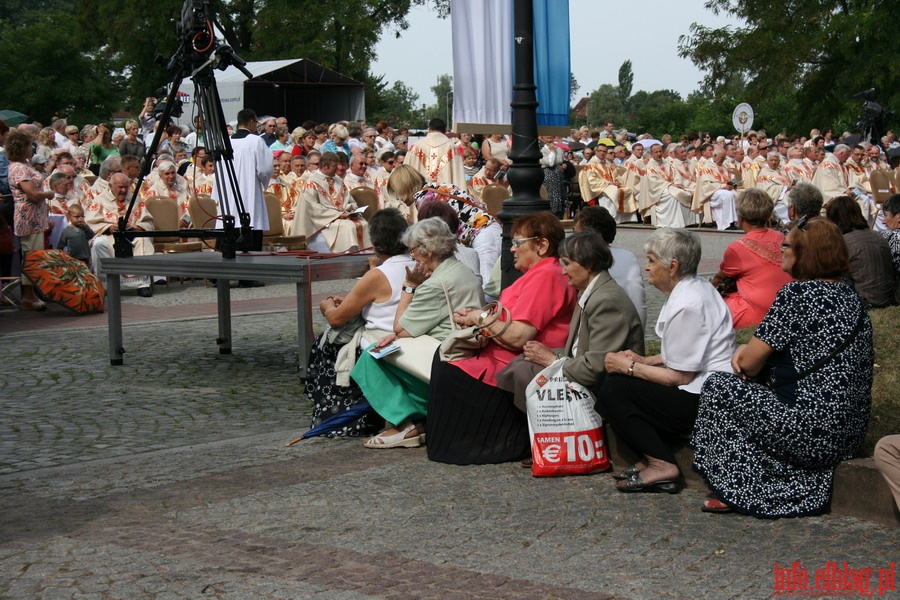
[380,353]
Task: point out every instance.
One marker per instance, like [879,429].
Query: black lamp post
[525,173]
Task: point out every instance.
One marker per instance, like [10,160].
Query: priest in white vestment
[436,158]
[253,167]
[325,212]
[102,214]
[714,196]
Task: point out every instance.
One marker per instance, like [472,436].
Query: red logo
[541,381]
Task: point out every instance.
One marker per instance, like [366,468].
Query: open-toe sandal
[626,473]
[635,484]
[716,506]
[398,440]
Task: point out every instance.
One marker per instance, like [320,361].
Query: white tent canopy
[298,89]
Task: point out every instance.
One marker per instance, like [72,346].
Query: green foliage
[443,93]
[606,104]
[397,105]
[803,57]
[99,55]
[46,73]
[626,81]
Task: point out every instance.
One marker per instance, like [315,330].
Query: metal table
[300,270]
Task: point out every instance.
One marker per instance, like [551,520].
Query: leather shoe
[145,292]
[635,484]
[245,283]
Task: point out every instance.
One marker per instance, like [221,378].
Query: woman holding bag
[605,321]
[471,420]
[437,285]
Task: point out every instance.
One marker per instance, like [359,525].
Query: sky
[646,32]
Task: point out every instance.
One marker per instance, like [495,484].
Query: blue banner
[552,66]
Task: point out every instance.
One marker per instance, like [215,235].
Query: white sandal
[398,440]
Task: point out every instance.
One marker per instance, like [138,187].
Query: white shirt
[626,270]
[696,330]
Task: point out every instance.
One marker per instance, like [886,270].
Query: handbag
[468,341]
[566,432]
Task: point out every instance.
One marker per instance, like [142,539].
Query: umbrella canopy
[576,146]
[563,146]
[334,422]
[65,280]
[606,142]
[647,143]
[12,117]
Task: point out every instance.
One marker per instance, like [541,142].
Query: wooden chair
[367,197]
[897,180]
[165,218]
[493,196]
[90,179]
[203,210]
[274,235]
[882,185]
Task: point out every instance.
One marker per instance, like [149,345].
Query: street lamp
[525,174]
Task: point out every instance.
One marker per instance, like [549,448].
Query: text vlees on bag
[566,432]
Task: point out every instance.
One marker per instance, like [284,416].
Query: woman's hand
[631,355]
[539,354]
[417,275]
[736,361]
[619,362]
[386,341]
[465,317]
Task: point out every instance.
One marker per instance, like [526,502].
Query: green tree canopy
[812,55]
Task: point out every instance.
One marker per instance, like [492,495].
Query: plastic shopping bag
[566,432]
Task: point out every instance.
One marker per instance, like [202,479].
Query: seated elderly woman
[471,420]
[751,266]
[370,304]
[891,211]
[463,254]
[649,398]
[768,448]
[607,322]
[438,285]
[871,265]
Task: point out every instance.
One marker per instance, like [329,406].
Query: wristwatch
[630,371]
[409,289]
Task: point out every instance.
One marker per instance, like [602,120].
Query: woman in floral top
[31,209]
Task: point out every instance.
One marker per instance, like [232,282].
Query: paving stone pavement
[168,477]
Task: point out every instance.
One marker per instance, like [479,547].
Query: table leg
[224,297]
[304,326]
[114,316]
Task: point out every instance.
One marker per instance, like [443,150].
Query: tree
[397,106]
[46,74]
[573,87]
[846,46]
[606,105]
[626,80]
[443,92]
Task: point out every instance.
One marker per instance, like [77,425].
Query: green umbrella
[12,117]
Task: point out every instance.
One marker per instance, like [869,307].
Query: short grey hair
[432,235]
[111,162]
[669,244]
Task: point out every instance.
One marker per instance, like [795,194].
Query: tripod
[197,30]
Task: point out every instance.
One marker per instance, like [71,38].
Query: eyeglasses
[516,242]
[801,224]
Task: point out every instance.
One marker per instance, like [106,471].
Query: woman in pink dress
[752,264]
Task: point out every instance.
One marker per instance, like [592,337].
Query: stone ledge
[859,489]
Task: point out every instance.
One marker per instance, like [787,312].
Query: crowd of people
[768,420]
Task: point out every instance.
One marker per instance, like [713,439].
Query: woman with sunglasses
[769,447]
[471,420]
